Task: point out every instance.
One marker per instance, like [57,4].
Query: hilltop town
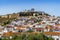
[30,22]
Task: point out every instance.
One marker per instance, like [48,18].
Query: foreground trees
[30,37]
[38,37]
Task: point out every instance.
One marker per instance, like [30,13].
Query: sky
[51,7]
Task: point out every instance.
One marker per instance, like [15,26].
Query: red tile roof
[52,33]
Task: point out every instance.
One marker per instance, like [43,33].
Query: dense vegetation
[31,13]
[4,21]
[28,37]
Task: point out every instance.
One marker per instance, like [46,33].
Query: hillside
[32,12]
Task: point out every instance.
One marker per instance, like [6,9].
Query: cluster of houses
[49,25]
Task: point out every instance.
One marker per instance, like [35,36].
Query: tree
[34,36]
[50,38]
[0,38]
[6,22]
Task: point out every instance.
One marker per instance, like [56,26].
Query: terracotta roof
[57,28]
[48,27]
[8,34]
[52,33]
[19,28]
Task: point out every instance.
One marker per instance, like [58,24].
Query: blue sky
[49,6]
